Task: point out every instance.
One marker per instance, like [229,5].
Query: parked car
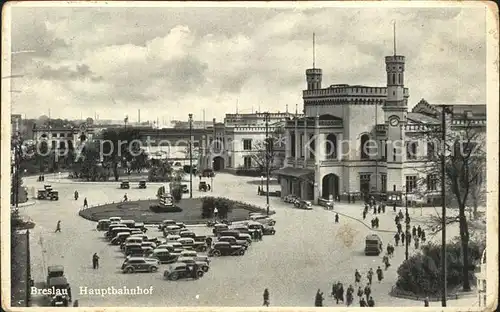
[181,270]
[180,224]
[165,223]
[256,226]
[132,248]
[120,238]
[373,245]
[115,219]
[232,233]
[128,223]
[164,256]
[263,219]
[200,246]
[142,184]
[202,258]
[245,236]
[125,185]
[303,204]
[148,244]
[226,249]
[172,238]
[112,233]
[136,232]
[187,233]
[208,173]
[220,227]
[171,229]
[234,241]
[174,247]
[187,242]
[140,265]
[103,224]
[131,240]
[191,260]
[189,253]
[289,199]
[268,230]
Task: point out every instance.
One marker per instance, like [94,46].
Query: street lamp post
[407,227]
[268,154]
[190,155]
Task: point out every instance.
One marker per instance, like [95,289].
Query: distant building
[238,142]
[184,124]
[16,124]
[63,138]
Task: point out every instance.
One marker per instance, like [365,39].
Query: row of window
[59,135]
[411,183]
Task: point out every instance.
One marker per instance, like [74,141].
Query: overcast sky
[169,62]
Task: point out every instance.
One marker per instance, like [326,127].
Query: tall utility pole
[268,155]
[444,109]
[190,155]
[407,224]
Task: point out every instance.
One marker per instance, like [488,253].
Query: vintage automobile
[132,239]
[203,186]
[304,204]
[202,258]
[147,243]
[115,219]
[232,233]
[192,260]
[290,199]
[245,236]
[120,238]
[142,184]
[112,233]
[180,224]
[185,188]
[256,226]
[263,219]
[166,223]
[200,246]
[173,247]
[268,230]
[373,245]
[139,226]
[171,229]
[54,271]
[188,253]
[61,291]
[187,233]
[128,223]
[164,256]
[208,173]
[47,195]
[140,265]
[234,241]
[187,242]
[131,248]
[244,229]
[181,270]
[219,227]
[125,185]
[172,238]
[103,224]
[226,249]
[200,238]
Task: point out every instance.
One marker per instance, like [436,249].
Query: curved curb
[366,225]
[455,296]
[26,204]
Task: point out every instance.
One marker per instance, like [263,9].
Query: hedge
[159,208]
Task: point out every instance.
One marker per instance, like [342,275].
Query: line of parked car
[179,247]
[297,202]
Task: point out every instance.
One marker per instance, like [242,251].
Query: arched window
[399,78]
[411,150]
[331,146]
[393,78]
[364,146]
[431,150]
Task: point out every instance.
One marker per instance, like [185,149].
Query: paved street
[308,252]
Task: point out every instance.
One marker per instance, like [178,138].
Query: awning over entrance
[299,173]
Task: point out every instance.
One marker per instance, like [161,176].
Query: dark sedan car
[226,249]
[182,270]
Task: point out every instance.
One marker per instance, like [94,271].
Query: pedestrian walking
[426,302]
[414,231]
[362,302]
[76,195]
[334,290]
[349,295]
[423,236]
[95,261]
[266,298]
[336,218]
[371,302]
[373,223]
[394,207]
[396,219]
[400,214]
[364,214]
[376,222]
[399,227]
[357,277]
[216,212]
[416,242]
[396,239]
[125,197]
[360,292]
[340,293]
[385,260]
[403,239]
[369,275]
[383,208]
[379,209]
[419,232]
[380,274]
[368,291]
[85,203]
[58,227]
[408,235]
[318,301]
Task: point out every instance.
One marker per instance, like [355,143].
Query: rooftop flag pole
[314,50]
[394,38]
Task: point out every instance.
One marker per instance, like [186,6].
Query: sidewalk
[26,204]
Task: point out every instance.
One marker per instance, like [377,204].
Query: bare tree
[270,148]
[465,164]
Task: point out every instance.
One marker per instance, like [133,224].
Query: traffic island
[143,211]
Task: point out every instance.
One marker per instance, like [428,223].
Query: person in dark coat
[419,232]
[379,209]
[58,227]
[85,203]
[95,261]
[394,207]
[376,222]
[76,195]
[373,223]
[400,214]
[266,298]
[360,292]
[336,218]
[399,227]
[364,214]
[426,302]
[408,237]
[402,239]
[369,275]
[357,277]
[380,274]
[414,231]
[349,295]
[368,291]
[383,208]
[362,302]
[318,301]
[423,236]
[340,293]
[396,219]
[396,238]
[371,302]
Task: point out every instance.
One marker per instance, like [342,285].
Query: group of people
[41,178]
[417,233]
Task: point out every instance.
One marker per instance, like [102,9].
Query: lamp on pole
[190,155]
[268,154]
[407,223]
[445,109]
